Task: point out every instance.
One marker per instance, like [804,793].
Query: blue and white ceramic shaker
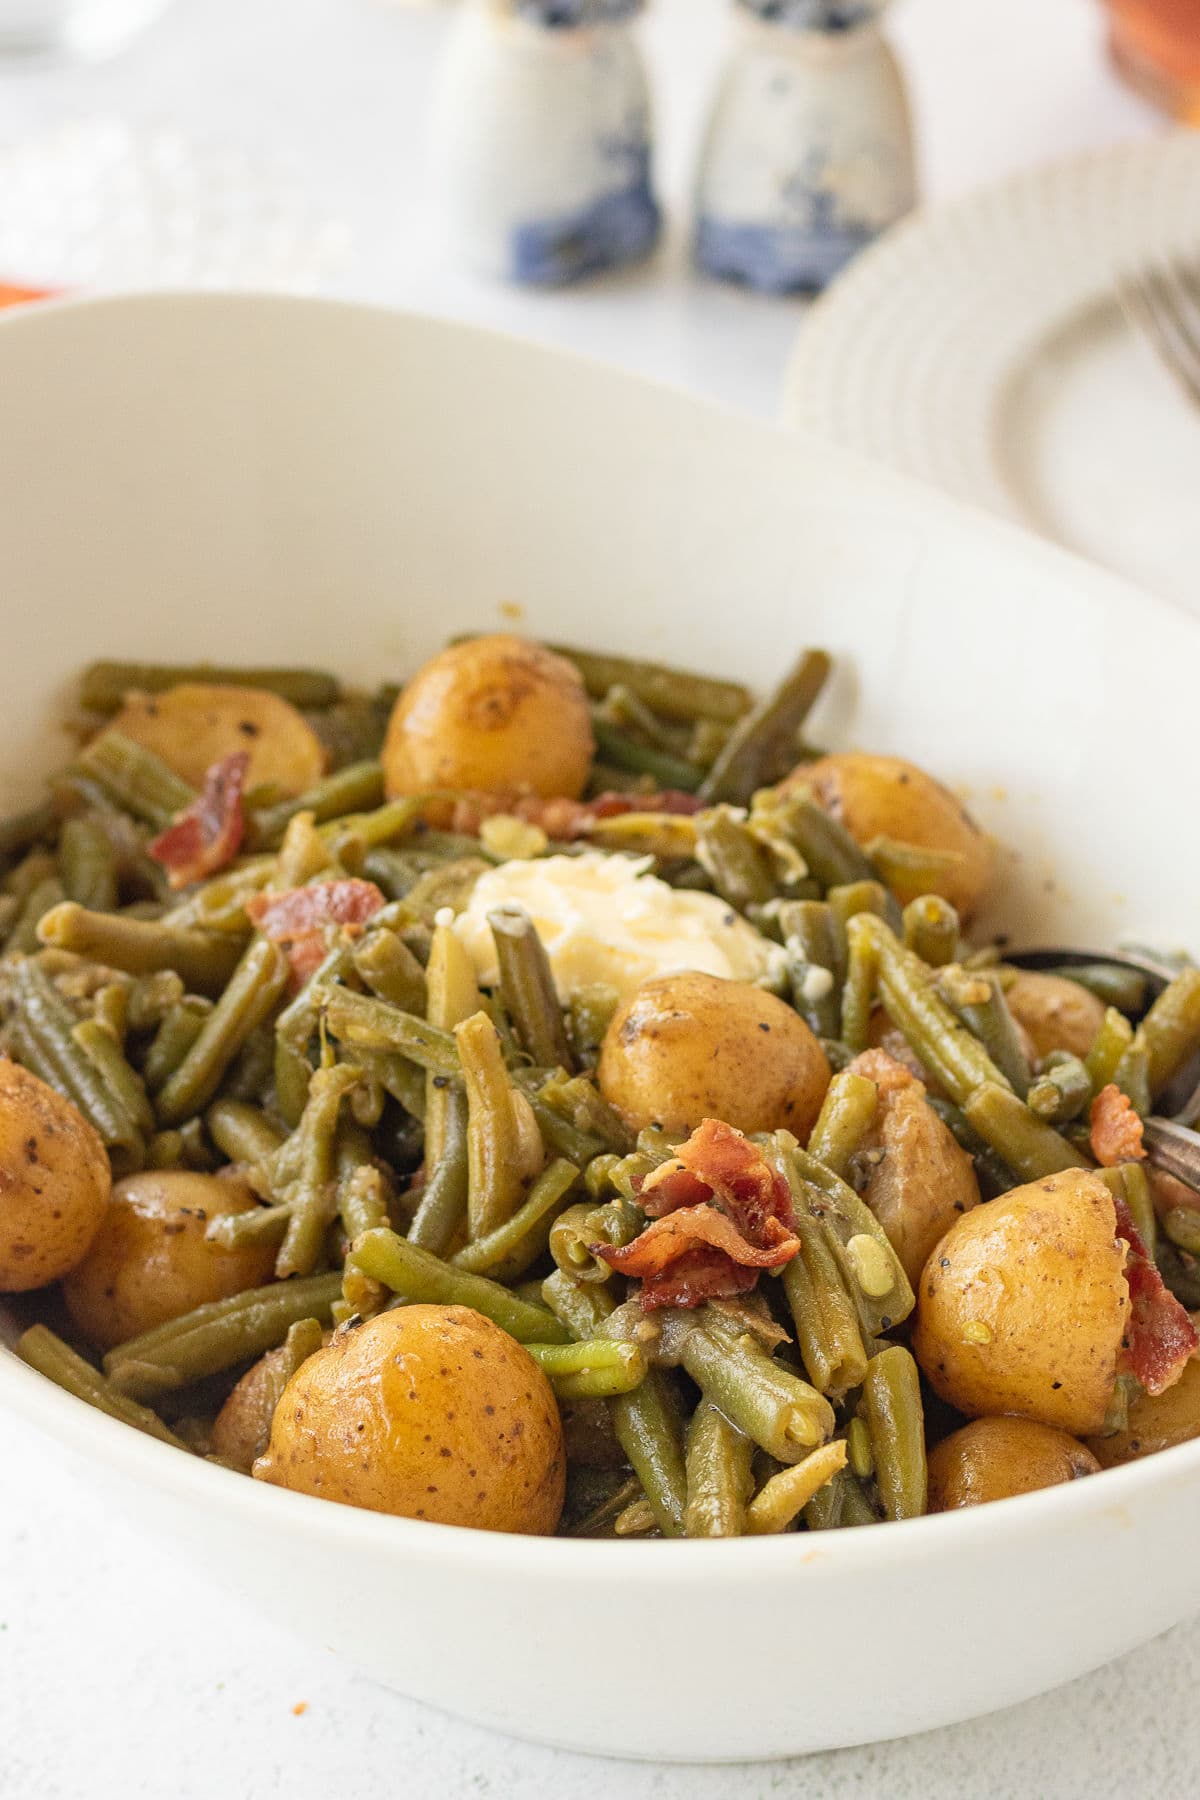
[542,137]
[808,153]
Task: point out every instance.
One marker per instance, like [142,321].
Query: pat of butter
[605,922]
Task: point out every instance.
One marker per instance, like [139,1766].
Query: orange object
[17,296]
[1156,46]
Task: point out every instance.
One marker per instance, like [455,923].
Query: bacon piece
[298,917]
[719,1213]
[888,1073]
[1160,1337]
[1116,1128]
[559,817]
[207,836]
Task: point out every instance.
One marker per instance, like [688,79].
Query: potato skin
[195,724]
[884,796]
[429,1412]
[1038,1275]
[689,1047]
[54,1182]
[496,714]
[1055,1014]
[1156,1422]
[242,1428]
[992,1459]
[151,1261]
[925,1180]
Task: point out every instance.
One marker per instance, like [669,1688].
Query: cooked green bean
[719,1479]
[1112,1041]
[578,1101]
[596,1369]
[780,1412]
[1129,1182]
[527,988]
[136,779]
[1182,1226]
[954,1056]
[846,1216]
[312,1194]
[1133,1075]
[736,861]
[576,1233]
[254,990]
[359,1019]
[1170,1032]
[1062,1090]
[218,1336]
[443,1208]
[356,789]
[978,999]
[827,847]
[896,1421]
[43,1351]
[416,1275]
[1029,1147]
[173,1040]
[671,693]
[764,743]
[89,865]
[47,1020]
[104,685]
[517,1243]
[626,752]
[931,930]
[123,1082]
[1116,986]
[858,993]
[21,831]
[391,971]
[781,1500]
[495,1153]
[816,963]
[846,1116]
[992,1171]
[902,865]
[204,960]
[41,900]
[823,1312]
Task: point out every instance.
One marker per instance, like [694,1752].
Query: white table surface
[121,1673]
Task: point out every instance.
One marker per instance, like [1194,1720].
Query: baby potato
[1055,1014]
[689,1047]
[151,1260]
[54,1182]
[194,725]
[883,796]
[1156,1421]
[1022,1305]
[992,1459]
[431,1412]
[242,1428]
[495,714]
[925,1180]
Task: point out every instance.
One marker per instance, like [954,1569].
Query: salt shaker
[808,153]
[542,137]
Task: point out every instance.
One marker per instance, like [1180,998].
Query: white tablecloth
[123,1675]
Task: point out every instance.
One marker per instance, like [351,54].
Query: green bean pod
[508,1251]
[43,1351]
[895,1419]
[204,960]
[417,1276]
[776,1409]
[527,988]
[255,989]
[136,779]
[89,865]
[764,743]
[104,685]
[719,1478]
[595,1369]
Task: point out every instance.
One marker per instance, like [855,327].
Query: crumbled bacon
[888,1073]
[298,917]
[560,818]
[719,1214]
[1116,1128]
[207,836]
[1160,1337]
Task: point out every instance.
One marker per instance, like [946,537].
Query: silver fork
[1163,305]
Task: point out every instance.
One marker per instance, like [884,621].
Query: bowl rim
[78,1428]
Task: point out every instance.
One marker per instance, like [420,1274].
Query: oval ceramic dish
[189,477]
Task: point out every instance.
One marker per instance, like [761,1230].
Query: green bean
[1031,1148]
[173,1040]
[261,1225]
[204,960]
[896,1421]
[151,998]
[242,1132]
[219,906]
[136,779]
[846,1217]
[443,1208]
[527,988]
[383,824]
[496,1182]
[250,1073]
[577,1232]
[783,1414]
[218,1336]
[1112,1041]
[110,1005]
[41,900]
[515,1245]
[294,1029]
[1124,989]
[123,1083]
[781,1500]
[1169,1035]
[931,930]
[671,693]
[736,861]
[647,1421]
[590,1012]
[104,685]
[1133,1075]
[667,836]
[418,1276]
[847,1114]
[21,831]
[824,1313]
[905,866]
[356,789]
[1062,1090]
[622,708]
[255,989]
[859,1449]
[1130,1183]
[391,971]
[43,1351]
[1182,1226]
[858,993]
[165,1151]
[451,997]
[596,1369]
[559,1132]
[625,752]
[311,1192]
[719,1479]
[816,963]
[361,1190]
[978,1000]
[993,1172]
[89,865]
[846,900]
[47,1020]
[358,1019]
[302,1341]
[763,745]
[831,853]
[954,1057]
[578,1100]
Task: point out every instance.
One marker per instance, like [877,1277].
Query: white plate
[980,347]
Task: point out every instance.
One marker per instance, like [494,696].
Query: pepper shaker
[808,153]
[542,134]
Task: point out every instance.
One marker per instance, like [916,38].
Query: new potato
[54,1182]
[151,1260]
[1156,1421]
[194,725]
[431,1412]
[1055,1014]
[1023,1304]
[689,1047]
[992,1459]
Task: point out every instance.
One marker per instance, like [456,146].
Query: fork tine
[1152,306]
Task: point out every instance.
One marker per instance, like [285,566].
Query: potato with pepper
[152,1259]
[1155,1421]
[196,724]
[54,1182]
[690,1047]
[1054,1012]
[430,1412]
[496,715]
[884,796]
[993,1459]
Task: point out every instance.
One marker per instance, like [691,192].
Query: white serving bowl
[278,480]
